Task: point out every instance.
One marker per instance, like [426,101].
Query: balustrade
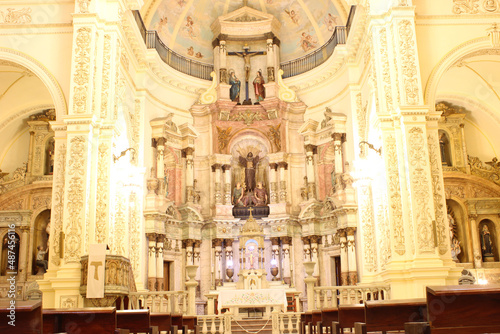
[202,70]
[211,324]
[286,323]
[332,296]
[159,301]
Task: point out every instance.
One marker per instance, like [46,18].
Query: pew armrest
[336,327]
[359,328]
[417,328]
[122,331]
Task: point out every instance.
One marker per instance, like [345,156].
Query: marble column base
[344,278]
[152,283]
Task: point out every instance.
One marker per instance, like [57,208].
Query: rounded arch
[447,61]
[42,73]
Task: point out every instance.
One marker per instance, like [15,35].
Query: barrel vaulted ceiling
[184,25]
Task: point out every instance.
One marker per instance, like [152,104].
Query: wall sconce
[116,158]
[379,150]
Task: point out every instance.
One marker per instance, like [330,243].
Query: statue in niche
[444,149]
[50,158]
[454,242]
[259,197]
[238,195]
[486,242]
[234,91]
[250,165]
[258,85]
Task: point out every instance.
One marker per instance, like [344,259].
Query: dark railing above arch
[202,70]
[319,56]
[173,59]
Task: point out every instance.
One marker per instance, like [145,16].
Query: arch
[42,73]
[40,237]
[447,61]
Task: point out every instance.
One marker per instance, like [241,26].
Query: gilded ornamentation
[82,70]
[210,95]
[135,234]
[69,301]
[394,192]
[247,116]
[465,6]
[106,72]
[285,93]
[438,191]
[135,136]
[490,172]
[223,138]
[409,64]
[382,224]
[386,76]
[58,198]
[19,16]
[368,228]
[120,230]
[75,199]
[83,5]
[104,158]
[420,187]
[361,116]
[274,136]
[41,202]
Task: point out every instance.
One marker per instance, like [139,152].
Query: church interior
[222,158]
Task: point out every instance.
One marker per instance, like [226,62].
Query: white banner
[95,272]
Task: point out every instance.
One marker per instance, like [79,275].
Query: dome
[184,26]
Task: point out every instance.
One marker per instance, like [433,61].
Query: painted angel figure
[294,16]
[250,165]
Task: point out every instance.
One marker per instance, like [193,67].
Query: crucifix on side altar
[246,55]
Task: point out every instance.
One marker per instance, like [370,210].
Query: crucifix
[246,55]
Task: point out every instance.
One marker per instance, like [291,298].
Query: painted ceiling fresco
[184,25]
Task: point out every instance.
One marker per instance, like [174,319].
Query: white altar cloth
[252,298]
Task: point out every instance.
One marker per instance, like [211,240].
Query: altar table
[252,298]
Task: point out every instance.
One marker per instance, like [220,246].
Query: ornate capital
[305,240]
[310,148]
[151,236]
[217,242]
[286,240]
[275,241]
[338,136]
[228,242]
[187,151]
[350,231]
[283,165]
[197,243]
[187,243]
[226,167]
[273,166]
[216,166]
[315,239]
[160,238]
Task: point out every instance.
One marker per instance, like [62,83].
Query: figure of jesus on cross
[246,55]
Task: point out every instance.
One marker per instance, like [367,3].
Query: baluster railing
[159,301]
[332,296]
[288,322]
[211,324]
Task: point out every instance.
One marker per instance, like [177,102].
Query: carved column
[188,154]
[23,249]
[188,245]
[159,262]
[307,249]
[273,185]
[315,241]
[338,140]
[286,245]
[226,169]
[160,164]
[223,75]
[310,171]
[270,60]
[216,169]
[152,261]
[476,244]
[197,257]
[344,261]
[351,256]
[275,244]
[217,244]
[228,243]
[283,166]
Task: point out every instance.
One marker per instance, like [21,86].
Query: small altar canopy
[251,240]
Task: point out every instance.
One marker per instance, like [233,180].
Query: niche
[444,145]
[488,240]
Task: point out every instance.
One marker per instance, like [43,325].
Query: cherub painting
[306,42]
[189,27]
[181,3]
[294,16]
[190,51]
[162,24]
[198,55]
[331,21]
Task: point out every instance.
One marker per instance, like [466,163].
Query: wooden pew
[189,321]
[328,316]
[348,315]
[391,315]
[27,317]
[306,321]
[464,308]
[136,321]
[81,320]
[161,320]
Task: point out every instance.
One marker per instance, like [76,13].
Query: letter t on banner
[95,271]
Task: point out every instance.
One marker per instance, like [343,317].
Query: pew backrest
[27,317]
[79,320]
